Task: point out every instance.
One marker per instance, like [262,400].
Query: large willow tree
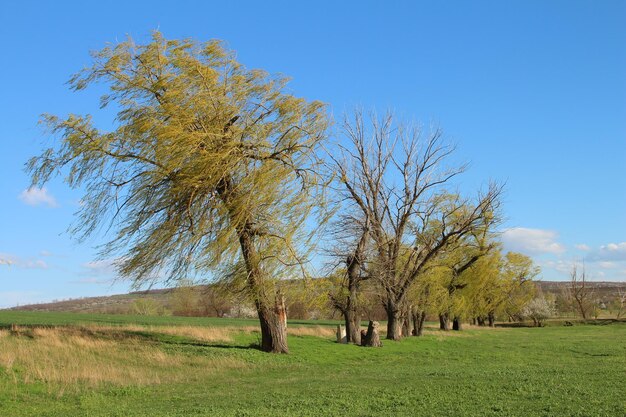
[208,164]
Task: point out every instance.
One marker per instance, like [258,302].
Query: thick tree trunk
[456,324]
[419,317]
[350,311]
[273,318]
[394,322]
[444,322]
[270,306]
[492,319]
[371,338]
[406,326]
[480,320]
[273,326]
[353,326]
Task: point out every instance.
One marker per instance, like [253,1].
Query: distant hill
[113,304]
[601,289]
[165,300]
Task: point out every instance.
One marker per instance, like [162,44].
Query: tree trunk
[353,325]
[352,318]
[480,320]
[444,322]
[394,322]
[273,318]
[419,317]
[406,326]
[492,319]
[372,338]
[273,326]
[456,324]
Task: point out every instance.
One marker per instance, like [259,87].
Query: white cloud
[37,196]
[583,247]
[611,252]
[532,241]
[6,261]
[15,261]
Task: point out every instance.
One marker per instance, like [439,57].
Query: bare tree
[395,175]
[621,303]
[580,293]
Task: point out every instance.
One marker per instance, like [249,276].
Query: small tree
[620,303]
[539,309]
[185,299]
[209,164]
[580,293]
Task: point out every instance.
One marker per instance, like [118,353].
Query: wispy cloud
[532,241]
[92,280]
[18,262]
[605,262]
[610,252]
[37,196]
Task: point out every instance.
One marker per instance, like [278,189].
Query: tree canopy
[209,163]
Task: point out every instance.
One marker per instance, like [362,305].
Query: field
[63,364]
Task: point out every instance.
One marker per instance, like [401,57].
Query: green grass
[552,371]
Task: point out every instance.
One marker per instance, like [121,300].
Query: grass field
[60,364]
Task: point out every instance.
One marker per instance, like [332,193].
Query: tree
[539,309]
[620,303]
[458,260]
[352,270]
[209,164]
[580,293]
[518,272]
[185,299]
[394,176]
[488,290]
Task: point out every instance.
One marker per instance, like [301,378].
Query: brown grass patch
[199,333]
[318,331]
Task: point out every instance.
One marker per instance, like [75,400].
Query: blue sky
[532,92]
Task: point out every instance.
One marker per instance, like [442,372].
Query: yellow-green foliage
[202,148]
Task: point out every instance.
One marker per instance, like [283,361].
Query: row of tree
[212,168]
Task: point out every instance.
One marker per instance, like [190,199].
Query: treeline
[213,169]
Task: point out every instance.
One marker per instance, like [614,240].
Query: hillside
[167,300]
[113,304]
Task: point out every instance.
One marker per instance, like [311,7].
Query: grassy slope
[572,371]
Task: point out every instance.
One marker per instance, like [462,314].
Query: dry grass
[68,356]
[199,333]
[119,355]
[319,331]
